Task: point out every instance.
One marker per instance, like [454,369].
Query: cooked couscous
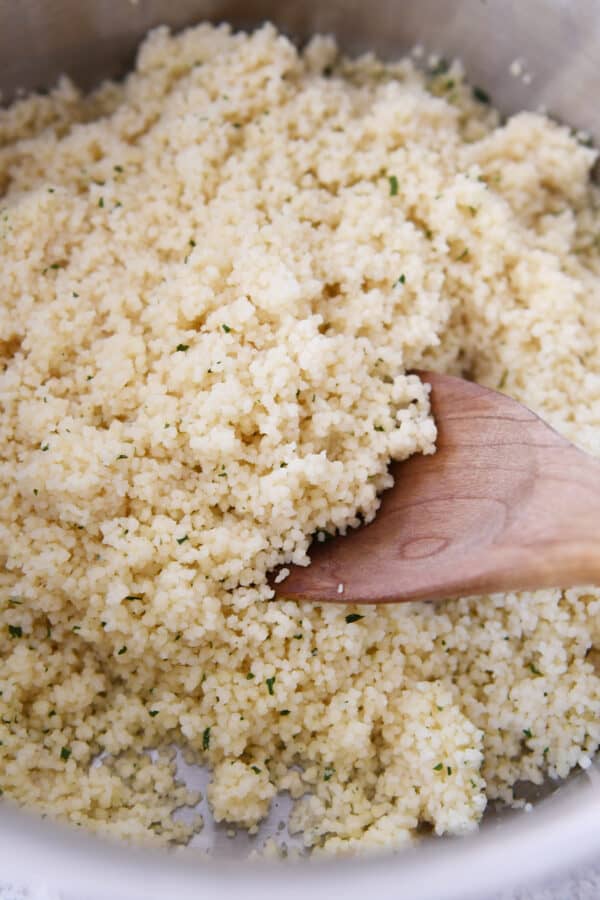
[215,277]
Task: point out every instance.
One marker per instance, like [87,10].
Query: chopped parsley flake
[534,669]
[226,328]
[481,95]
[527,732]
[122,650]
[284,712]
[121,456]
[65,753]
[438,768]
[353,617]
[393,185]
[153,712]
[327,774]
[270,682]
[15,631]
[401,280]
[183,539]
[45,447]
[449,770]
[440,69]
[181,348]
[101,202]
[118,168]
[206,738]
[255,769]
[378,428]
[250,676]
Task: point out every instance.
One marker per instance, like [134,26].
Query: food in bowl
[216,278]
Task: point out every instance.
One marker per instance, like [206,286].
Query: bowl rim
[562,831]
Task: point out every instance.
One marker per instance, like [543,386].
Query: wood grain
[504,504]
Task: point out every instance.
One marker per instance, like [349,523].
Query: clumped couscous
[215,277]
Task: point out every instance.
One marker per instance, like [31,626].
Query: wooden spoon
[504,504]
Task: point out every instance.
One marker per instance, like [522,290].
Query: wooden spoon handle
[504,504]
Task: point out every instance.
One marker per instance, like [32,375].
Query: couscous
[215,277]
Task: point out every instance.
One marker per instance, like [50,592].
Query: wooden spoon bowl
[504,504]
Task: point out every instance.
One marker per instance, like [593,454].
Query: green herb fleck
[226,328]
[250,676]
[181,348]
[101,202]
[121,456]
[440,69]
[51,713]
[438,768]
[353,617]
[449,770]
[283,465]
[118,168]
[481,95]
[534,669]
[393,180]
[545,751]
[379,428]
[153,712]
[473,784]
[270,682]
[284,712]
[134,596]
[65,753]
[449,84]
[183,539]
[328,773]
[255,769]
[527,732]
[206,738]
[298,637]
[15,631]
[122,650]
[401,280]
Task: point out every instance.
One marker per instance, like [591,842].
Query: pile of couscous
[215,277]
